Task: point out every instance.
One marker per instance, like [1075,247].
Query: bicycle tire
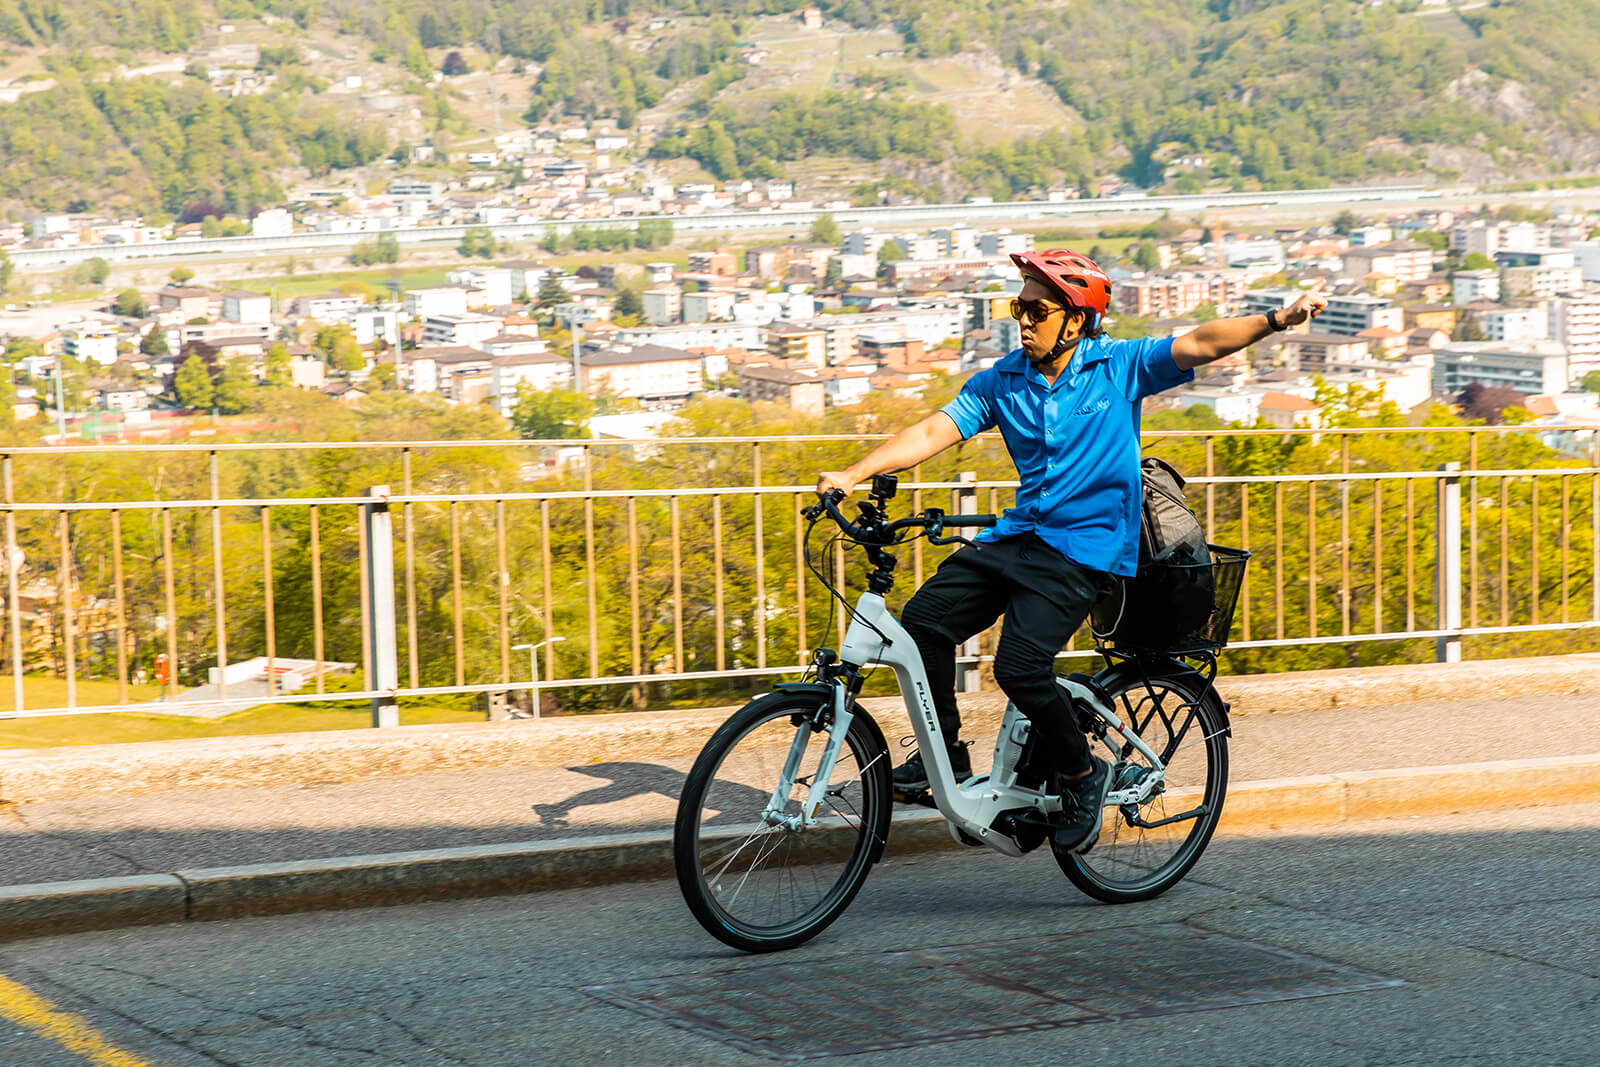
[1181,718]
[724,880]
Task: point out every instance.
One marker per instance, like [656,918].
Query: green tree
[338,347]
[825,230]
[551,291]
[193,384]
[1344,222]
[1147,256]
[180,275]
[550,414]
[130,304]
[96,270]
[476,241]
[7,268]
[833,277]
[234,386]
[1591,381]
[1477,261]
[628,302]
[154,343]
[277,365]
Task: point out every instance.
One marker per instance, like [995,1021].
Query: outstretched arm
[905,449]
[1223,337]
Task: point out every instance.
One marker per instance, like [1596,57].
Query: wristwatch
[1272,321]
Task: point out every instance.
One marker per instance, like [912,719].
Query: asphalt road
[1475,936]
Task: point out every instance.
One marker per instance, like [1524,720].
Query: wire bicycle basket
[1173,607]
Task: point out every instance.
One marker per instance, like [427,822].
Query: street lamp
[533,668]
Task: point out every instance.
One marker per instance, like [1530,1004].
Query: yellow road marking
[28,1009]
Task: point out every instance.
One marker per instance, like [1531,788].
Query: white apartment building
[90,340]
[1004,243]
[539,370]
[273,222]
[651,374]
[494,285]
[1366,236]
[1574,320]
[1405,261]
[1468,286]
[707,305]
[435,300]
[467,328]
[375,325]
[1543,280]
[1357,312]
[327,307]
[864,243]
[746,335]
[663,306]
[1532,367]
[959,242]
[921,247]
[240,305]
[1515,323]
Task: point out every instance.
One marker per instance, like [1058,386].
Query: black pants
[1044,597]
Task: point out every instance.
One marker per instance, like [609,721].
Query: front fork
[843,688]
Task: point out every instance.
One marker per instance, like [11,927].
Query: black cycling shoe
[912,775]
[1082,800]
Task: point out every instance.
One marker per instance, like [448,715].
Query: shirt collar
[1090,350]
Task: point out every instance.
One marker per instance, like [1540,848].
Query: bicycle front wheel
[754,880]
[1145,849]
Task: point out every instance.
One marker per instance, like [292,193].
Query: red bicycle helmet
[1077,278]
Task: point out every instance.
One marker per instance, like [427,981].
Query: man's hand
[1309,306]
[829,480]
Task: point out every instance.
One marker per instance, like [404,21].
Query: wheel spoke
[772,886]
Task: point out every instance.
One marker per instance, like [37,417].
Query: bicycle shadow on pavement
[629,780]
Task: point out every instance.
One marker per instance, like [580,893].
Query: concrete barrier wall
[143,767]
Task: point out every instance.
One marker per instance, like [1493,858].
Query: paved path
[96,837]
[1475,936]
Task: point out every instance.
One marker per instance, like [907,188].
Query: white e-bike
[788,805]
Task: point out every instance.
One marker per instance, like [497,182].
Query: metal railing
[652,588]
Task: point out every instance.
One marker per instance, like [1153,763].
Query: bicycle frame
[876,637]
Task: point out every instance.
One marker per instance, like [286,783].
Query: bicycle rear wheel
[757,884]
[1139,854]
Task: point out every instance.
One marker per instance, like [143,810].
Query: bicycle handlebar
[932,520]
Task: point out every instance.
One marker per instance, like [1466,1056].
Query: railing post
[1447,649]
[380,614]
[965,502]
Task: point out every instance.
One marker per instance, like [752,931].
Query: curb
[29,775]
[453,873]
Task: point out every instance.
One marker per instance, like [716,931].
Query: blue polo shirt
[1075,444]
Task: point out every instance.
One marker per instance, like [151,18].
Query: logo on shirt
[1094,407]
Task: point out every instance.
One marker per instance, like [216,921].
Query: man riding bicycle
[1067,403]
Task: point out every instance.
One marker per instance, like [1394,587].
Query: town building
[1574,320]
[241,305]
[542,371]
[1404,261]
[1356,312]
[798,387]
[435,300]
[466,328]
[1533,367]
[653,375]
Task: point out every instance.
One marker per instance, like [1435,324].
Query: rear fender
[1130,673]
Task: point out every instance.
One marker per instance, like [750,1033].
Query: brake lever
[953,539]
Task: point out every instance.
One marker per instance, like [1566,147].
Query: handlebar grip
[970,520]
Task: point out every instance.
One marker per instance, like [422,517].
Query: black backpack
[1173,594]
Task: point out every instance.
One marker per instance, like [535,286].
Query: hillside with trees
[1178,94]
